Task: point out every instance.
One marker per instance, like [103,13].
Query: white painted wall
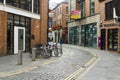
[18,11]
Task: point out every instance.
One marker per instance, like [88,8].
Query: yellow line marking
[89,68]
[88,65]
[74,74]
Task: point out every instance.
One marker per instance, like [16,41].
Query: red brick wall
[39,27]
[97,6]
[87,7]
[43,20]
[3,33]
[35,30]
[102,12]
[103,21]
[63,15]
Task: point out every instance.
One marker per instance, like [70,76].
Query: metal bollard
[20,57]
[33,54]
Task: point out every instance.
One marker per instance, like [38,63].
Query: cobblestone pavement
[60,69]
[107,68]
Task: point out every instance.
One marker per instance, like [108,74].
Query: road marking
[74,74]
[89,68]
[86,68]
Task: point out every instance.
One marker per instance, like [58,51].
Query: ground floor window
[74,35]
[17,21]
[89,35]
[113,39]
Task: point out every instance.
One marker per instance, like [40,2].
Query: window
[24,4]
[60,10]
[82,8]
[36,6]
[113,39]
[21,21]
[92,7]
[1,1]
[89,35]
[66,9]
[74,35]
[55,14]
[109,10]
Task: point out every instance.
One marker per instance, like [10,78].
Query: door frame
[16,28]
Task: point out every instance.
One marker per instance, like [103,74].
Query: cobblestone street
[77,63]
[71,60]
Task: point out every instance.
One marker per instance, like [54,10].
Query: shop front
[89,35]
[18,33]
[110,37]
[74,35]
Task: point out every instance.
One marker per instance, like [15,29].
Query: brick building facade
[85,31]
[22,25]
[110,34]
[59,22]
[98,26]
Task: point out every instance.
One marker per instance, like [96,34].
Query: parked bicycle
[42,51]
[57,49]
[47,50]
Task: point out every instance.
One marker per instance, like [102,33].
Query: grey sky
[53,3]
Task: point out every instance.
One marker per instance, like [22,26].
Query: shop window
[113,39]
[74,35]
[21,21]
[109,10]
[16,20]
[89,35]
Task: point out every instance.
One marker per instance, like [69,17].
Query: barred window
[109,10]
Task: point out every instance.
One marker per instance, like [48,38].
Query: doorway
[19,39]
[103,39]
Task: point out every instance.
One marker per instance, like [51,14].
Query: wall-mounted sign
[75,14]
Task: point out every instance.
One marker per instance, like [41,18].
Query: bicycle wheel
[56,53]
[60,52]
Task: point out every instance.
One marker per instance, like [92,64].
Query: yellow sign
[75,14]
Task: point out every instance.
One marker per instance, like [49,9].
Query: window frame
[109,10]
[92,7]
